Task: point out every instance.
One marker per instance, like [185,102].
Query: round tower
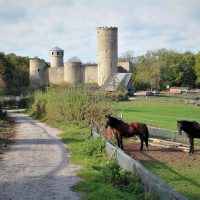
[56,57]
[107,53]
[36,72]
[72,72]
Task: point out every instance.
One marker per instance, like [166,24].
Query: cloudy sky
[32,27]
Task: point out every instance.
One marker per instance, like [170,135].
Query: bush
[23,102]
[94,147]
[3,114]
[125,181]
[67,104]
[117,95]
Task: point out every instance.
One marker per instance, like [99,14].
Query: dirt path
[166,155]
[37,164]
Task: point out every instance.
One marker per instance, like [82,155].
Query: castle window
[52,53]
[57,53]
[62,53]
[38,70]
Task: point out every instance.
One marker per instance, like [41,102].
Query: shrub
[67,104]
[94,147]
[117,95]
[23,102]
[125,181]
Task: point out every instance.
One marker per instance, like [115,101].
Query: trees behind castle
[157,69]
[14,74]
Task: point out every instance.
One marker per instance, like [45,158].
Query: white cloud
[33,27]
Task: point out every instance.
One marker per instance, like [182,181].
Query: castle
[106,71]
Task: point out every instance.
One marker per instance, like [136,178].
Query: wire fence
[151,182]
[165,134]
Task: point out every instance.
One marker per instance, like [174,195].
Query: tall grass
[69,105]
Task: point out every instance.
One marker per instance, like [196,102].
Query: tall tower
[56,57]
[107,53]
[36,72]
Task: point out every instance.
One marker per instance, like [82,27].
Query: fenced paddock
[151,182]
[167,135]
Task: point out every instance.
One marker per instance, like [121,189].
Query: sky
[32,27]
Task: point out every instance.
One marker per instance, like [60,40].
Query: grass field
[184,176]
[157,112]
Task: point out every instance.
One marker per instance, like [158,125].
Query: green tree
[2,72]
[148,70]
[17,74]
[165,67]
[197,68]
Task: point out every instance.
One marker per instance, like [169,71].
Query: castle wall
[107,53]
[56,75]
[72,72]
[46,76]
[89,74]
[36,72]
[125,66]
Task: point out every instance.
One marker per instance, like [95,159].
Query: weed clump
[125,181]
[94,147]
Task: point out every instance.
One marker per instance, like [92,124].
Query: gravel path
[37,164]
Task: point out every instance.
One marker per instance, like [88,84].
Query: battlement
[107,28]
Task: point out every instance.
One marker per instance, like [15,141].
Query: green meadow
[163,113]
[157,112]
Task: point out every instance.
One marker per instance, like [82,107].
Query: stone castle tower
[107,53]
[76,72]
[38,75]
[56,57]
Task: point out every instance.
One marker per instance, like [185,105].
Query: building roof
[117,80]
[56,49]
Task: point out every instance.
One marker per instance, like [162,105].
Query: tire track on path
[37,166]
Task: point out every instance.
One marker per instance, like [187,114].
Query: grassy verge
[100,180]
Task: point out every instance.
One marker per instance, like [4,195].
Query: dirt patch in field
[167,155]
